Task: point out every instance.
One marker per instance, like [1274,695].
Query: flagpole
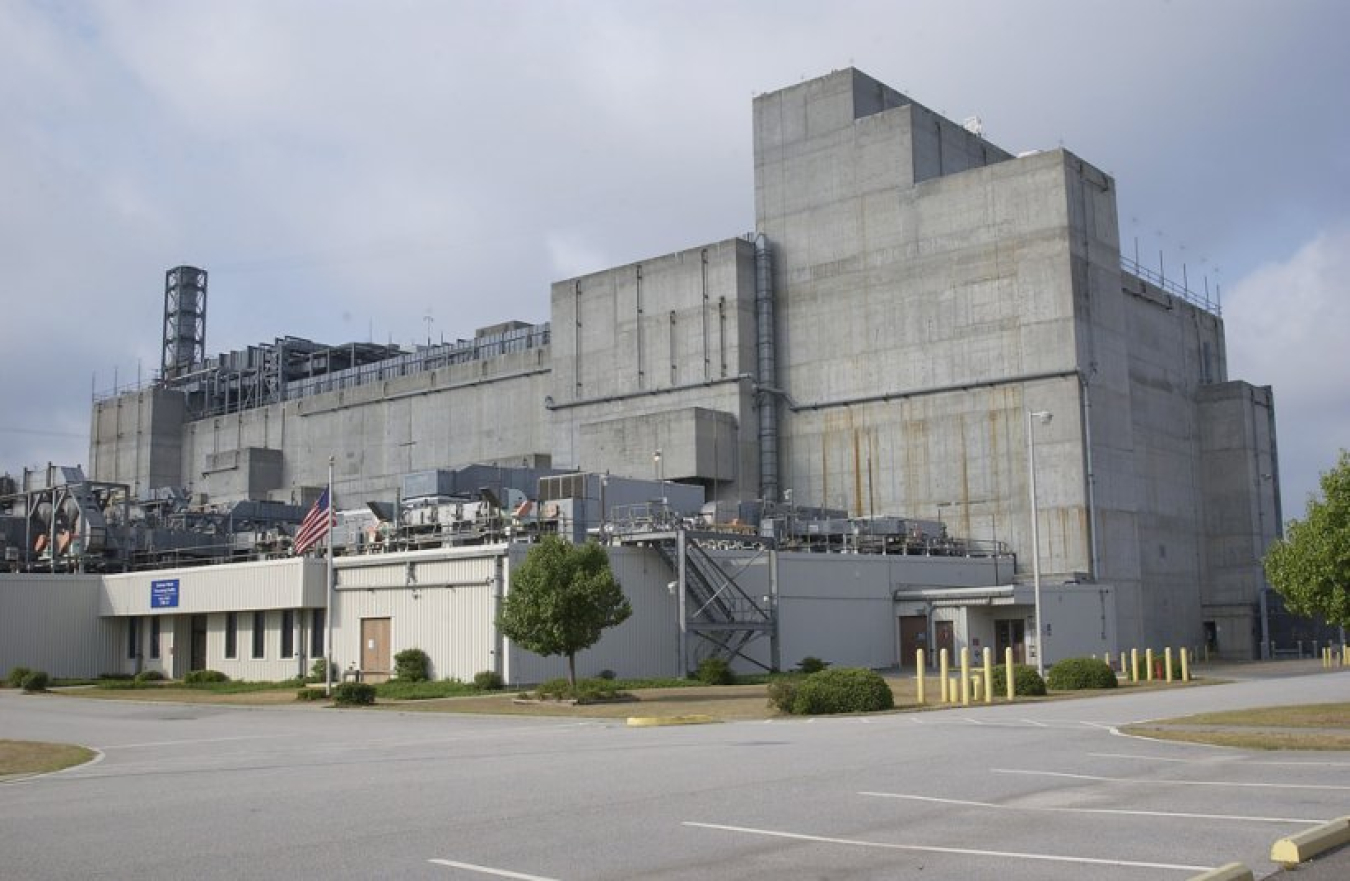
[328,592]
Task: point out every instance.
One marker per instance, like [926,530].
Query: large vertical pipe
[768,371]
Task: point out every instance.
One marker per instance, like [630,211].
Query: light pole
[1042,416]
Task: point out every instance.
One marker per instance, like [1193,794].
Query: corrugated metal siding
[439,601]
[52,623]
[270,584]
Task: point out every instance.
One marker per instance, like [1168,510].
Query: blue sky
[347,171]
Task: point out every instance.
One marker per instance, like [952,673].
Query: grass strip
[33,757]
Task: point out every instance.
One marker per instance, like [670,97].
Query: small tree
[563,597]
[1310,567]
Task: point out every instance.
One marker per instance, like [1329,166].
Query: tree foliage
[1310,567]
[563,597]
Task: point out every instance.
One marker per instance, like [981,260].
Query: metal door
[375,652]
[198,642]
[913,636]
[1011,633]
[944,637]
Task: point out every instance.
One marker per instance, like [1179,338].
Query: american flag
[315,525]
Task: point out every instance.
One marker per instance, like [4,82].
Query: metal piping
[768,371]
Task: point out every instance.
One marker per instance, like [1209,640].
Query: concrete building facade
[910,294]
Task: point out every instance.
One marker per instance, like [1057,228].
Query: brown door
[375,652]
[913,636]
[1011,633]
[943,635]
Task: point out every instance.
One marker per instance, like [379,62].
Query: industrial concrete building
[876,348]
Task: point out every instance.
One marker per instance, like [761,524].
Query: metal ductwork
[768,371]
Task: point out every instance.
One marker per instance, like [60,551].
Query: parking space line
[196,741]
[961,851]
[1155,782]
[1189,816]
[485,870]
[1034,722]
[1207,761]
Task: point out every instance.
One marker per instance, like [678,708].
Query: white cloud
[1287,326]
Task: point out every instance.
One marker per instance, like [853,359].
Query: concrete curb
[1230,872]
[1308,844]
[656,721]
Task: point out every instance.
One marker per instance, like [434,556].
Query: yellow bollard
[1008,670]
[1185,667]
[1148,665]
[1344,649]
[976,686]
[1107,659]
[944,665]
[1124,664]
[954,688]
[988,675]
[919,675]
[1167,661]
[1134,665]
[965,676]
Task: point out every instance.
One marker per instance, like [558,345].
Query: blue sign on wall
[164,594]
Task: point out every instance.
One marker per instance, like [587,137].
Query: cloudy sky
[398,170]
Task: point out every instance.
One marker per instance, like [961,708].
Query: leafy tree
[563,597]
[1311,566]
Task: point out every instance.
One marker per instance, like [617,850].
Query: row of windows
[259,635]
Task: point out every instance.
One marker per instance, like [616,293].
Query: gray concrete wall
[137,439]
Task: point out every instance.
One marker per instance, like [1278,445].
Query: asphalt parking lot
[1030,791]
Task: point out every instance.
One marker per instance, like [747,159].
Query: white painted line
[970,720]
[196,741]
[1208,761]
[963,851]
[484,870]
[1034,722]
[1153,782]
[985,804]
[1103,725]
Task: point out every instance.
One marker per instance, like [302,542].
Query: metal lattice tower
[184,320]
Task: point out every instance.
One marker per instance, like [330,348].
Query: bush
[412,665]
[811,664]
[487,680]
[594,690]
[318,671]
[1026,681]
[34,682]
[354,694]
[715,671]
[558,689]
[310,694]
[846,690]
[16,676]
[115,677]
[783,693]
[607,674]
[204,677]
[1075,674]
[149,676]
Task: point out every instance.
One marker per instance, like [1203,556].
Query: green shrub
[607,674]
[427,689]
[149,676]
[715,671]
[310,694]
[34,682]
[115,677]
[558,689]
[595,690]
[783,693]
[318,671]
[487,680]
[16,675]
[1075,674]
[811,664]
[412,665]
[204,677]
[1026,681]
[354,694]
[845,690]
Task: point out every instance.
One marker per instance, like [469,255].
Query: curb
[656,721]
[1230,872]
[1308,844]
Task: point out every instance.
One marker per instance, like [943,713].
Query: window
[231,634]
[154,637]
[259,633]
[288,633]
[316,633]
[133,637]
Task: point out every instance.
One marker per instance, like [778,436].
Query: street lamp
[1043,417]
